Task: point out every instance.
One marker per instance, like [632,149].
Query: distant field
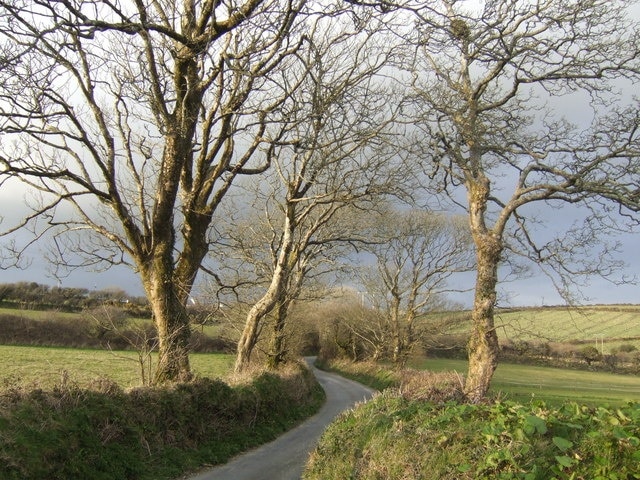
[43,366]
[611,324]
[608,325]
[523,382]
[210,330]
[38,314]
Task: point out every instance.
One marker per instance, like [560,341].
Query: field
[45,367]
[524,382]
[608,326]
[49,314]
[613,325]
[38,314]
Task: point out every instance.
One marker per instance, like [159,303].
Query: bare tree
[333,156]
[132,120]
[416,253]
[491,87]
[138,336]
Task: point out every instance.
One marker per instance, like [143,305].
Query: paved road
[285,457]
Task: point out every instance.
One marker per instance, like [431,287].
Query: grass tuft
[438,387]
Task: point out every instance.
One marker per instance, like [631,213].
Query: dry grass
[436,387]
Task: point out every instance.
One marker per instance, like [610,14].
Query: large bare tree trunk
[396,334]
[249,336]
[173,343]
[171,321]
[278,349]
[483,344]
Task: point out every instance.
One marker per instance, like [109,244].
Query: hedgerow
[105,433]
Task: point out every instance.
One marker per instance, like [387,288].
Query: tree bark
[483,343]
[169,315]
[173,343]
[249,336]
[278,349]
[396,334]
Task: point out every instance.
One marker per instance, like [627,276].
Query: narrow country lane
[285,457]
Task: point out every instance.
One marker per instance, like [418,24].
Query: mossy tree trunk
[483,343]
[278,350]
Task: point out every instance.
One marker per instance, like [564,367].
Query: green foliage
[626,348]
[147,433]
[590,354]
[395,438]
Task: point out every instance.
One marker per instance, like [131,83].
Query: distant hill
[610,325]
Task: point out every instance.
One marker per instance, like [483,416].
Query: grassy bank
[398,438]
[541,423]
[105,433]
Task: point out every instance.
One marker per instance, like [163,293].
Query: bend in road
[285,457]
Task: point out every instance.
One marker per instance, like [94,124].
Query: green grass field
[560,325]
[44,367]
[523,382]
[38,314]
[608,325]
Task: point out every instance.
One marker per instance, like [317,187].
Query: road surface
[285,457]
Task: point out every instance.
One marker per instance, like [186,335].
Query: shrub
[103,327]
[55,331]
[446,346]
[106,318]
[590,354]
[626,348]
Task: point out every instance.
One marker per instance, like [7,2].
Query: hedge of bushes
[106,433]
[87,332]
